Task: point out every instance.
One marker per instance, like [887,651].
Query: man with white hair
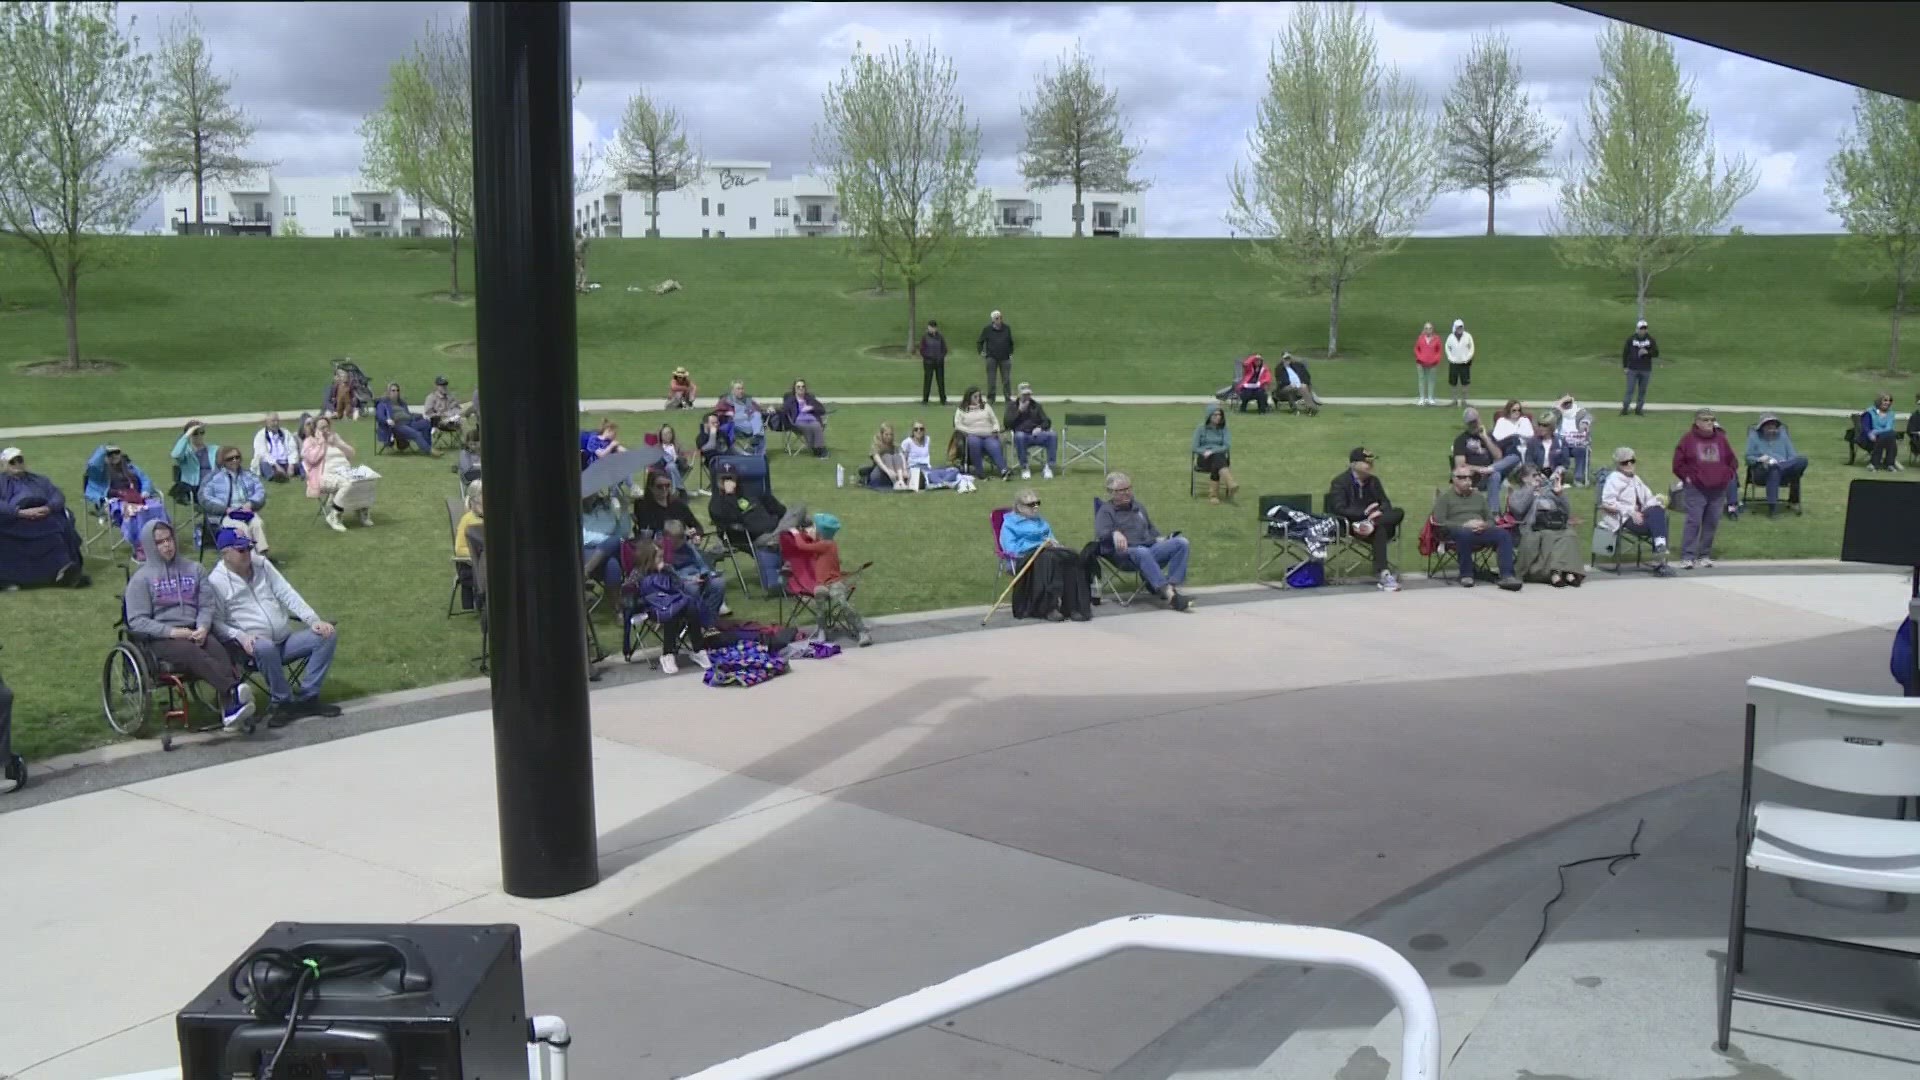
[1460,361]
[276,453]
[1637,358]
[1126,535]
[996,348]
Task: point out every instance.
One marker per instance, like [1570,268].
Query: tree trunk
[880,276]
[1489,209]
[454,292]
[199,205]
[70,299]
[1899,308]
[913,305]
[1641,280]
[1079,210]
[1333,322]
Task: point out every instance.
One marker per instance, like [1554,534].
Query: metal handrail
[1420,1021]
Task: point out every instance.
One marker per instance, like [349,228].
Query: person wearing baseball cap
[441,407]
[1358,498]
[1636,359]
[38,542]
[255,608]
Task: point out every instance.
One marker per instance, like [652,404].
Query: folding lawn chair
[1114,574]
[1005,562]
[462,564]
[755,475]
[1275,533]
[1085,445]
[800,585]
[1349,553]
[1617,543]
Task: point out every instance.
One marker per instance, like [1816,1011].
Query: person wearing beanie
[1637,358]
[1628,505]
[1459,349]
[1705,464]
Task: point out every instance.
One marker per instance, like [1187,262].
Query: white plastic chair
[1860,744]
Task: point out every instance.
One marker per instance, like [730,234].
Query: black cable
[309,969]
[1612,861]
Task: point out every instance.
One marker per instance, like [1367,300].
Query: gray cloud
[749,77]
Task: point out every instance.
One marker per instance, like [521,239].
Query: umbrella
[616,469]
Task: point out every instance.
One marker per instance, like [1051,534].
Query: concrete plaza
[778,857]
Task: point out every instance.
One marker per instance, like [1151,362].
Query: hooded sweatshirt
[1640,352]
[1426,350]
[262,606]
[1211,440]
[1779,448]
[1705,461]
[163,596]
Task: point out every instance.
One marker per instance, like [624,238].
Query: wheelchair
[135,685]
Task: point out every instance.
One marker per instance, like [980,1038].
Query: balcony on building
[1112,219]
[1015,217]
[374,216]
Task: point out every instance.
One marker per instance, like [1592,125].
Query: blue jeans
[418,431]
[1653,526]
[1023,440]
[1466,542]
[1789,471]
[988,445]
[1578,458]
[712,595]
[1636,390]
[1162,564]
[609,570]
[1497,477]
[270,659]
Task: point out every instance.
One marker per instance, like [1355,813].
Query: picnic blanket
[1315,531]
[745,663]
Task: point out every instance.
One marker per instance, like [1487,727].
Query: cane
[1016,580]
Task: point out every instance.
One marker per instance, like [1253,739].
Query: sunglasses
[1463,476]
[1031,505]
[1629,461]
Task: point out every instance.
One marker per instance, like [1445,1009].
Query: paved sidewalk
[595,405]
[779,857]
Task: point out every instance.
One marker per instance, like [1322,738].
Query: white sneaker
[724,610]
[333,521]
[700,658]
[1705,562]
[1046,472]
[243,694]
[366,517]
[1686,564]
[1897,467]
[1870,467]
[668,664]
[1389,583]
[1026,474]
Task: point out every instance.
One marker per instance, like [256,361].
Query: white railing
[1419,1045]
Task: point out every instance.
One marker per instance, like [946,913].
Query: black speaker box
[423,1002]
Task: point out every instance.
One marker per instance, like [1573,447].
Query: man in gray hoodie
[170,609]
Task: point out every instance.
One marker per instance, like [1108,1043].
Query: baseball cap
[1360,453]
[728,468]
[1026,388]
[112,449]
[9,454]
[1641,325]
[233,538]
[439,380]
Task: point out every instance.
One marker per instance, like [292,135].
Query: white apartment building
[265,204]
[742,199]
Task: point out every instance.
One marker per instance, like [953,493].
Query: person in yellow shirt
[473,519]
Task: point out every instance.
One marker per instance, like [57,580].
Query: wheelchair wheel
[126,690]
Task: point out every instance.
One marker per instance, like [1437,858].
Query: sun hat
[680,372]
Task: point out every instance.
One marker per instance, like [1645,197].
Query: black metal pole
[530,383]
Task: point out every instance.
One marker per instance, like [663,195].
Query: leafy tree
[74,98]
[652,153]
[1343,158]
[1076,134]
[1494,136]
[902,155]
[197,134]
[1649,194]
[1873,186]
[420,141]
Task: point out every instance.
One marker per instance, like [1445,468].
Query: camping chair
[1114,574]
[1275,533]
[1193,477]
[101,528]
[636,625]
[756,478]
[1617,543]
[1349,553]
[1006,563]
[1486,564]
[1863,745]
[1087,446]
[1859,434]
[790,440]
[462,565]
[800,586]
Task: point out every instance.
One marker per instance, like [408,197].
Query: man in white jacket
[255,609]
[1459,361]
[276,453]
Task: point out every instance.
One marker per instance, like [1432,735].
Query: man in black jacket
[755,520]
[996,348]
[1293,384]
[1358,498]
[933,362]
[1637,359]
[1031,428]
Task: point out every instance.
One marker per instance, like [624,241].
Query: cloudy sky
[749,77]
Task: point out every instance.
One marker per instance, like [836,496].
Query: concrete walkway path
[597,405]
[778,857]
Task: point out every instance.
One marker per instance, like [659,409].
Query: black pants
[931,372]
[1212,462]
[1255,396]
[208,661]
[680,633]
[1886,450]
[1059,580]
[6,723]
[1003,369]
[1384,530]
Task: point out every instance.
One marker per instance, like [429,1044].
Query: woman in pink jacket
[329,462]
[1426,356]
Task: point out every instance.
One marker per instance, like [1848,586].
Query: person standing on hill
[1459,362]
[1426,358]
[1637,358]
[933,363]
[996,348]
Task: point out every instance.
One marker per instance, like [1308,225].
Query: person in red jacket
[1426,357]
[1707,467]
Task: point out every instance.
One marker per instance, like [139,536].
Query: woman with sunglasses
[1054,582]
[918,450]
[807,417]
[1628,505]
[234,496]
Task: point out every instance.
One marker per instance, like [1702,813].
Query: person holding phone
[1127,535]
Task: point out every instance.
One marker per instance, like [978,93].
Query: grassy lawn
[220,324]
[930,551]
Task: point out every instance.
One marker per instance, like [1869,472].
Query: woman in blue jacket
[1054,583]
[1881,434]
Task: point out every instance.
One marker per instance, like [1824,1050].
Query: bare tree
[1343,158]
[74,99]
[1649,194]
[1076,134]
[197,134]
[1494,136]
[652,154]
[421,139]
[902,155]
[1873,186]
